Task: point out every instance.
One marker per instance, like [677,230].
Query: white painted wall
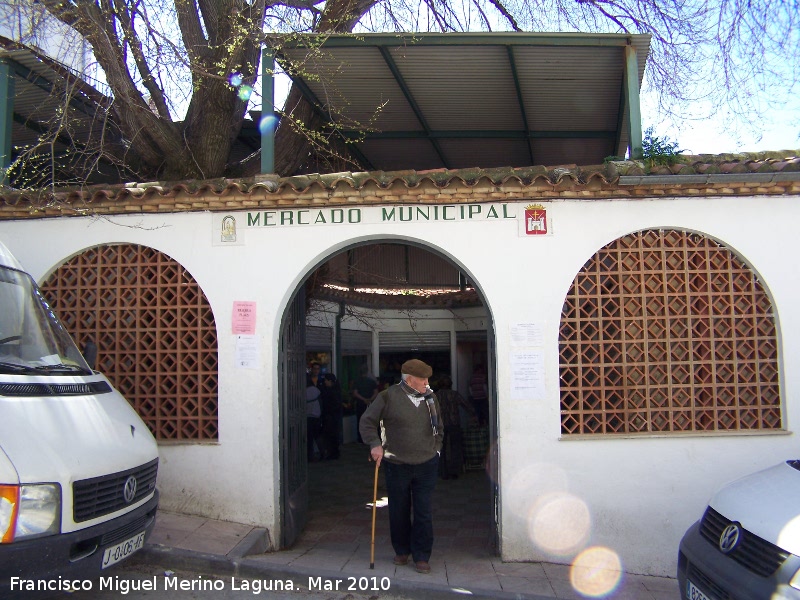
[633,495]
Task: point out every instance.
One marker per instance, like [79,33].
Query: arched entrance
[378,303]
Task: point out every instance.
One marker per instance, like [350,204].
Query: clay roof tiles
[703,175]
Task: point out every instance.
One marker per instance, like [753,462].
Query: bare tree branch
[504,11]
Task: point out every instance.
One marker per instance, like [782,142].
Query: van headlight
[28,511]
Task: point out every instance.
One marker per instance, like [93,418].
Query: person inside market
[332,412]
[313,422]
[365,389]
[451,462]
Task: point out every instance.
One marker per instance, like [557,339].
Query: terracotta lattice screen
[667,331]
[155,333]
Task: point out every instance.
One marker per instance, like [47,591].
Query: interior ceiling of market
[392,275]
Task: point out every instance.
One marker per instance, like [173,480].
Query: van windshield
[32,339]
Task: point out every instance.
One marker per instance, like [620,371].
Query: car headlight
[28,511]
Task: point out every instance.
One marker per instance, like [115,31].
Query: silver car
[747,544]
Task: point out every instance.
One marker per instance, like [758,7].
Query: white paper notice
[247,355]
[527,375]
[527,334]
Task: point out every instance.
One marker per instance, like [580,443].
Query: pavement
[335,546]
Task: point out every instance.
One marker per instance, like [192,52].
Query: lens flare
[267,124]
[596,572]
[245,91]
[560,524]
[235,79]
[531,482]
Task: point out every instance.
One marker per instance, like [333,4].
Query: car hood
[8,474]
[68,438]
[765,503]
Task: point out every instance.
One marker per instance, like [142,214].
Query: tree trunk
[292,145]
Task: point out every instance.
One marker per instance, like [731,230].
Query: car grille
[755,554]
[100,496]
[123,533]
[54,389]
[697,577]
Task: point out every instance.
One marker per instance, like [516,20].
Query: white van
[747,544]
[77,465]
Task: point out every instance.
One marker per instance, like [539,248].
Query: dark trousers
[331,423]
[313,430]
[410,487]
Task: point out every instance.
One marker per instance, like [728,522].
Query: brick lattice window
[667,331]
[155,333]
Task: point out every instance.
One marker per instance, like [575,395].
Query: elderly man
[402,426]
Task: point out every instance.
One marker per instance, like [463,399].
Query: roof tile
[702,175]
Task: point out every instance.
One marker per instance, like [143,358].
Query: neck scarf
[416,397]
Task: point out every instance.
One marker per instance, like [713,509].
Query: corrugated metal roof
[428,101]
[54,104]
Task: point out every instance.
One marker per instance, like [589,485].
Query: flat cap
[417,368]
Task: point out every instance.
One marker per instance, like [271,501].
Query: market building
[636,320]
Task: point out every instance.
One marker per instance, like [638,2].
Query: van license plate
[123,550]
[693,593]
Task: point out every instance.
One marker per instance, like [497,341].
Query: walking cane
[374,508]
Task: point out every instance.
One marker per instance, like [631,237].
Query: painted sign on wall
[228,227]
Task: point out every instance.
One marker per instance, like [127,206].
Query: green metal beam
[267,124]
[520,100]
[6,117]
[317,107]
[633,104]
[509,134]
[387,57]
[618,150]
[459,39]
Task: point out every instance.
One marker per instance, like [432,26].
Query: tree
[180,71]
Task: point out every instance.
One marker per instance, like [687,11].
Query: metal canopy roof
[427,101]
[51,100]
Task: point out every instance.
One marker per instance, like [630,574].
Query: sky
[712,139]
[718,135]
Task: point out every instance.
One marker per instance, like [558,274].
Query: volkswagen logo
[129,491]
[729,538]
